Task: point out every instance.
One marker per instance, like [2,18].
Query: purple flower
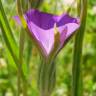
[49,31]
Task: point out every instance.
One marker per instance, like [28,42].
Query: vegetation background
[8,71]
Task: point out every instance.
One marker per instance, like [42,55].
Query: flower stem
[47,78]
[7,34]
[22,35]
[77,74]
[21,48]
[18,82]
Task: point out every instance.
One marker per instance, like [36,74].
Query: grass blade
[77,86]
[29,52]
[8,44]
[5,20]
[7,34]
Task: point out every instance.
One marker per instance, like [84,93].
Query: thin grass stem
[78,46]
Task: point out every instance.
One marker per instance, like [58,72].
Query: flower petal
[46,20]
[41,19]
[45,37]
[67,31]
[16,18]
[41,26]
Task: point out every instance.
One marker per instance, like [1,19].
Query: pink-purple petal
[41,26]
[46,20]
[45,37]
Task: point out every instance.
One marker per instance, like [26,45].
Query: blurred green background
[8,71]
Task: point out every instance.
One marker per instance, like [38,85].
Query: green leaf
[8,35]
[77,74]
[28,52]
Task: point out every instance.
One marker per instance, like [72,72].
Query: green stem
[20,13]
[7,23]
[20,77]
[29,52]
[77,74]
[7,34]
[9,38]
[47,78]
[9,77]
[24,5]
[18,83]
[21,45]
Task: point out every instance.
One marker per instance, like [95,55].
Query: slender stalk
[24,5]
[18,82]
[46,78]
[9,62]
[56,5]
[7,34]
[21,47]
[20,79]
[7,23]
[9,38]
[77,72]
[29,52]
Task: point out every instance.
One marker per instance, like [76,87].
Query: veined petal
[46,21]
[41,19]
[41,26]
[67,31]
[45,37]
